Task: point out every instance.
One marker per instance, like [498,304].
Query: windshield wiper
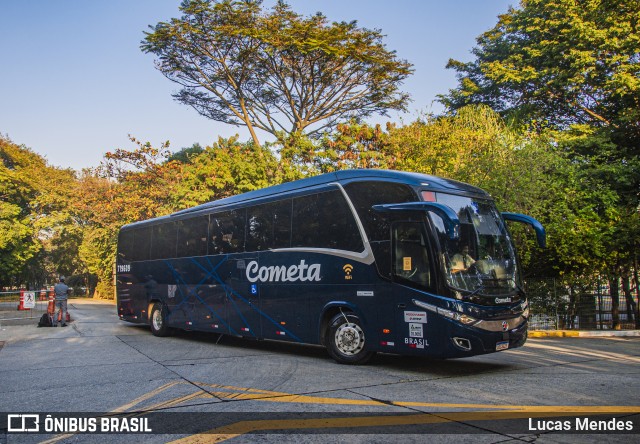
[518,287]
[476,291]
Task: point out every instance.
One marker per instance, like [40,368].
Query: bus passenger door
[411,271]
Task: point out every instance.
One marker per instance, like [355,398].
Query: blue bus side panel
[215,293]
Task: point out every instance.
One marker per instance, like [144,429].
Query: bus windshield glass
[481,260]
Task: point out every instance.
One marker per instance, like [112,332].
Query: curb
[583,334]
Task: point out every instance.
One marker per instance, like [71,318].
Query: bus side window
[324,220]
[269,226]
[125,246]
[192,236]
[366,194]
[411,259]
[259,228]
[281,224]
[226,231]
[163,241]
[141,244]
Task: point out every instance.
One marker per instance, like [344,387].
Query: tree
[353,145]
[17,243]
[39,236]
[128,186]
[569,65]
[147,182]
[225,169]
[275,71]
[186,154]
[561,61]
[573,66]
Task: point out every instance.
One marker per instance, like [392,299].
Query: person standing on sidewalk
[61,290]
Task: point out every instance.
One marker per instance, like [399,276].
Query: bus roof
[432,183]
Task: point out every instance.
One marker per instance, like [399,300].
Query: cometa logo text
[282,273]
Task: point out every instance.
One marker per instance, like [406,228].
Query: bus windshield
[481,260]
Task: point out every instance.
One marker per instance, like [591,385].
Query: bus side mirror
[450,218]
[541,234]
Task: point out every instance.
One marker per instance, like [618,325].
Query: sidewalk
[582,333]
[9,315]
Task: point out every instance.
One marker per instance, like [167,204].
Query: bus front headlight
[465,319]
[456,316]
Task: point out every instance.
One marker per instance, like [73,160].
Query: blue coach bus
[360,261]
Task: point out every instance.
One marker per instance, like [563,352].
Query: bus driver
[462,261]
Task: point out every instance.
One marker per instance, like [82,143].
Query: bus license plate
[502,345]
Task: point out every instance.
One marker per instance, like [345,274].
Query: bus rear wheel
[346,341]
[158,321]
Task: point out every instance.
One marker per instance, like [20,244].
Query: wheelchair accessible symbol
[254,289]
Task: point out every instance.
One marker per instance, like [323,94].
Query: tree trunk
[637,285]
[571,310]
[614,290]
[631,304]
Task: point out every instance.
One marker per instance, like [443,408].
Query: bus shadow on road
[421,365]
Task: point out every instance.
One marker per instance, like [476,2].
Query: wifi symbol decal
[348,268]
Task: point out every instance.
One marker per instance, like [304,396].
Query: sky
[74,83]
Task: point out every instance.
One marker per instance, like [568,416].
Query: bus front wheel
[346,341]
[158,321]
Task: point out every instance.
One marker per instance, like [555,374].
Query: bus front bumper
[473,340]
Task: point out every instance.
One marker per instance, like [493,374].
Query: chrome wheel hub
[157,320]
[349,339]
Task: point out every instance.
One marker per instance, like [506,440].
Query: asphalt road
[206,388]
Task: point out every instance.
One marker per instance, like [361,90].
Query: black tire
[158,321]
[345,340]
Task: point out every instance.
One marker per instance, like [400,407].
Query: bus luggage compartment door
[243,301]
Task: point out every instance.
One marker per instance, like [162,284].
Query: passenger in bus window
[462,261]
[222,244]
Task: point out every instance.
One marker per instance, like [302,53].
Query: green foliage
[468,147]
[275,71]
[559,61]
[128,186]
[185,154]
[222,170]
[146,182]
[572,67]
[546,118]
[38,235]
[353,145]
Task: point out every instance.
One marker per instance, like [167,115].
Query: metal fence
[556,305]
[10,307]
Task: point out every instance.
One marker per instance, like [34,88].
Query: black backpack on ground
[45,320]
